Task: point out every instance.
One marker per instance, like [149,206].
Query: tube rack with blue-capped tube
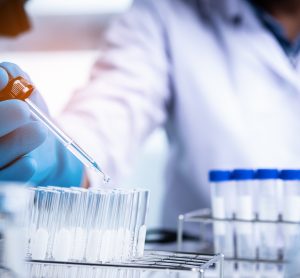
[254,220]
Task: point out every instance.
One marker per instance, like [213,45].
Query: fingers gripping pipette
[20,88]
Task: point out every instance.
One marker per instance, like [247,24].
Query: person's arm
[127,95]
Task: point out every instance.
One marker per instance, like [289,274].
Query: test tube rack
[152,261]
[204,217]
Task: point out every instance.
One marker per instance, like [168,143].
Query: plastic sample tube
[223,193]
[223,207]
[291,208]
[245,232]
[267,210]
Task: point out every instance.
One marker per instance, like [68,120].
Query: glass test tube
[79,216]
[128,239]
[223,197]
[33,220]
[268,210]
[121,235]
[133,222]
[30,221]
[91,216]
[14,198]
[53,214]
[62,238]
[245,232]
[103,224]
[94,219]
[140,226]
[106,221]
[40,237]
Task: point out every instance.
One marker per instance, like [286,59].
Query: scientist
[221,76]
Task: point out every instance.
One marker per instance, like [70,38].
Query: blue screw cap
[266,174]
[243,174]
[219,175]
[290,174]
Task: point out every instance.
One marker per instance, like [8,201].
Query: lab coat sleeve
[127,95]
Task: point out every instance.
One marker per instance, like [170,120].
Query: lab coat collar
[230,10]
[266,47]
[239,12]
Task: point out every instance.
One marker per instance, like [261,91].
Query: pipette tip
[106,178]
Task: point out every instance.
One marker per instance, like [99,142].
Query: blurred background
[58,53]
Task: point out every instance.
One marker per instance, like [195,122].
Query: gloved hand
[28,152]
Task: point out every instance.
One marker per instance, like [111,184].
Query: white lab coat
[223,88]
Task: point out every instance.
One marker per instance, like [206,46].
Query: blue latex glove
[28,152]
